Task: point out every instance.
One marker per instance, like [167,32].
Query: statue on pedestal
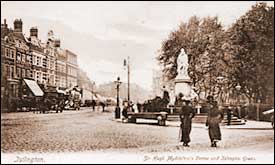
[183,81]
[182,63]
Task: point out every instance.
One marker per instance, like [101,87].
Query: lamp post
[220,83]
[127,64]
[172,99]
[238,88]
[117,110]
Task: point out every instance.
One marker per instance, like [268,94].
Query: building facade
[61,73]
[30,58]
[9,85]
[86,85]
[17,61]
[71,68]
[39,58]
[51,58]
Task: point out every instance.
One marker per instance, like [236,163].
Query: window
[34,60]
[28,59]
[18,72]
[44,62]
[27,73]
[31,74]
[38,61]
[38,76]
[23,58]
[44,76]
[6,70]
[12,53]
[23,73]
[6,52]
[11,72]
[18,57]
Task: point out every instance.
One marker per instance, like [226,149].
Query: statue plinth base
[183,86]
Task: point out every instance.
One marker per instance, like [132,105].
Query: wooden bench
[160,116]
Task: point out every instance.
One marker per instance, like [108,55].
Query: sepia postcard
[121,82]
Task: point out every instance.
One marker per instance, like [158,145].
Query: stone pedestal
[183,86]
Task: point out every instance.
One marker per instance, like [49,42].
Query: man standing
[214,118]
[103,106]
[186,115]
[228,114]
[93,104]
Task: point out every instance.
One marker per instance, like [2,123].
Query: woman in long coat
[186,115]
[214,119]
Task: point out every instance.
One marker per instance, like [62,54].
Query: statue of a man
[182,63]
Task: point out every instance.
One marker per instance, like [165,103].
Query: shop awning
[34,87]
[60,91]
[268,111]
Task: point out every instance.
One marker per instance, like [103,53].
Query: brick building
[29,58]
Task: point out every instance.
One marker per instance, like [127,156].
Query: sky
[103,34]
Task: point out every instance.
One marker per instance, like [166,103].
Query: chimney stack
[34,32]
[18,25]
[57,43]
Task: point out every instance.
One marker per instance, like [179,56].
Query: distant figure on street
[61,105]
[103,106]
[135,108]
[124,111]
[44,105]
[186,115]
[93,104]
[214,118]
[228,112]
[77,104]
[138,107]
[244,112]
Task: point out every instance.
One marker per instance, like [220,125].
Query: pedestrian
[77,104]
[214,118]
[186,115]
[244,114]
[138,107]
[103,106]
[228,114]
[44,105]
[93,104]
[61,105]
[124,111]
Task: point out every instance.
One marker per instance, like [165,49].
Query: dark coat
[214,118]
[186,115]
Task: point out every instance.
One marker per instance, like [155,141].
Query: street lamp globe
[238,87]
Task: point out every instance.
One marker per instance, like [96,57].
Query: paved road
[86,130]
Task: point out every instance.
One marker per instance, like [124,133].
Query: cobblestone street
[85,130]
